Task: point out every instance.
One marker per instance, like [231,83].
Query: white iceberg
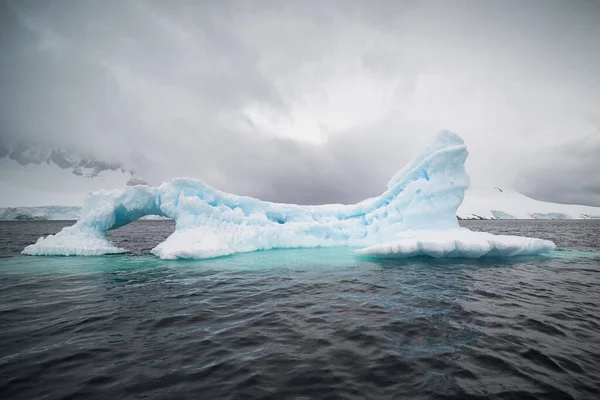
[416,215]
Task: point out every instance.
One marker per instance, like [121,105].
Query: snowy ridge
[499,203]
[419,206]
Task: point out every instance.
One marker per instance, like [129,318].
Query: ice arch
[420,200]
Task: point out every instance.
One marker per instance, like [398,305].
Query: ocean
[300,324]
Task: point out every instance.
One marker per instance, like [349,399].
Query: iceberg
[415,215]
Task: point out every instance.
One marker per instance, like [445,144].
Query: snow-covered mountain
[50,213]
[497,203]
[33,175]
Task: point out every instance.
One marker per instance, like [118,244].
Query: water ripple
[286,324]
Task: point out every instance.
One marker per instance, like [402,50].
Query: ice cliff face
[420,200]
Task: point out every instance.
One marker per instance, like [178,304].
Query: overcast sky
[310,101]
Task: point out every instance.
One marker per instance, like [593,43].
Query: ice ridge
[419,206]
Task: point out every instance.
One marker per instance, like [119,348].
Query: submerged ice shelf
[415,215]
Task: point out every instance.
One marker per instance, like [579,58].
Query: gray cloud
[309,101]
[566,173]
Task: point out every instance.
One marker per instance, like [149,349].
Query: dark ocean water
[300,324]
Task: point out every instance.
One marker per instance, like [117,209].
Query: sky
[310,102]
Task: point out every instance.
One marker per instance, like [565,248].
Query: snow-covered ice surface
[457,243]
[415,215]
[74,241]
[498,203]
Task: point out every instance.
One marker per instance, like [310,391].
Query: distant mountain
[34,175]
[48,213]
[497,203]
